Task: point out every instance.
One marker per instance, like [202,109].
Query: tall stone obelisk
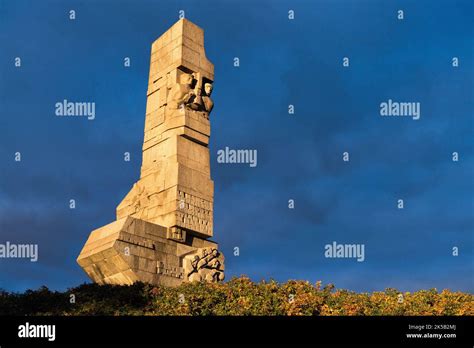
[164,222]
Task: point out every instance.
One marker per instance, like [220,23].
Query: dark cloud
[282,62]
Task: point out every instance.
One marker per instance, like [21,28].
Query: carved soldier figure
[181,93]
[196,102]
[203,260]
[215,264]
[194,265]
[208,104]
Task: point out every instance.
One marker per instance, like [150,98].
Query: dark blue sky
[299,156]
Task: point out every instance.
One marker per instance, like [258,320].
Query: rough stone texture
[163,223]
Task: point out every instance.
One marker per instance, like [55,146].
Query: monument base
[130,250]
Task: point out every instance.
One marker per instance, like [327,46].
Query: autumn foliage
[239,296]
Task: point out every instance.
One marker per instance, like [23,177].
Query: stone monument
[161,235]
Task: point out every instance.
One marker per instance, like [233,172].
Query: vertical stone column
[175,187]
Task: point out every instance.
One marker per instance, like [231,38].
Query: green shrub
[239,296]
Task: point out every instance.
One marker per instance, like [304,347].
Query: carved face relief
[208,89]
[186,79]
[216,264]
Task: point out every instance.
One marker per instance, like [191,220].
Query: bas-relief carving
[204,265]
[183,95]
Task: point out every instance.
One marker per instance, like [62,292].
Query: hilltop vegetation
[239,296]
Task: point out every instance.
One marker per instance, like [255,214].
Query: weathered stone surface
[177,131]
[164,221]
